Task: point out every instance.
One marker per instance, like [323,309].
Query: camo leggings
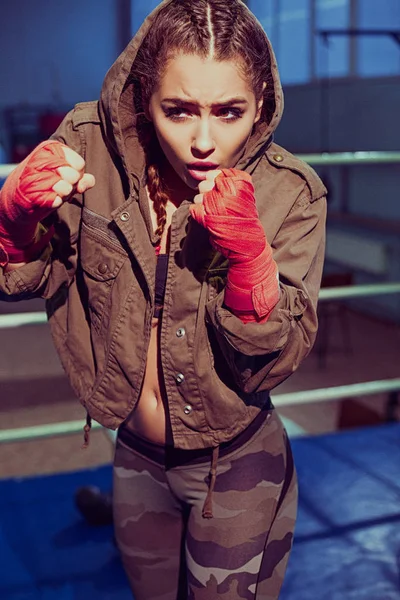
[171,552]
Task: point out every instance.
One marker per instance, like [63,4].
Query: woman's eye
[230,114]
[176,114]
[225,114]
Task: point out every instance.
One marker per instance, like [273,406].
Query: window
[287,24]
[333,56]
[294,41]
[378,55]
[266,12]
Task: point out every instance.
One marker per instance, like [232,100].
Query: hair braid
[225,19]
[158,196]
[198,15]
[155,185]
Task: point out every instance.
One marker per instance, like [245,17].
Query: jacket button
[103,268]
[278,157]
[179,378]
[180,332]
[125,216]
[187,409]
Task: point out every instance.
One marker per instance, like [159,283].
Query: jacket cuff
[10,254]
[252,338]
[26,279]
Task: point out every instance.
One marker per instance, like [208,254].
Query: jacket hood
[117,107]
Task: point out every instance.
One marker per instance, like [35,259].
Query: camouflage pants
[171,552]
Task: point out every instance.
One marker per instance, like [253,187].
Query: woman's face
[203,112]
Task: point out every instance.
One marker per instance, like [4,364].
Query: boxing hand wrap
[26,199]
[230,214]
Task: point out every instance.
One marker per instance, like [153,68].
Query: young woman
[181,281]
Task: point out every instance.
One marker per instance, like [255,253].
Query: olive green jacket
[98,278]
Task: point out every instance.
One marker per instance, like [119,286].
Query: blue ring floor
[347,542]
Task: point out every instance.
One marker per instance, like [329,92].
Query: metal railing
[351,158]
[5,170]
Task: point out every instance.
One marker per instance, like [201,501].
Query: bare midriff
[149,420]
[150,416]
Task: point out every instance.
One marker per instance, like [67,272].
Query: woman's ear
[260,104]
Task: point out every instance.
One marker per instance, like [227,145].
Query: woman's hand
[206,186]
[44,180]
[72,177]
[40,184]
[226,206]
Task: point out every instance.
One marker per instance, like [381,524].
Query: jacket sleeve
[56,265]
[261,356]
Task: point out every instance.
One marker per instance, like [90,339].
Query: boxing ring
[347,542]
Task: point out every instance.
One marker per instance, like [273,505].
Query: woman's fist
[206,186]
[40,184]
[44,180]
[72,177]
[226,206]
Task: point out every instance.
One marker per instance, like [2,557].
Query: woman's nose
[203,141]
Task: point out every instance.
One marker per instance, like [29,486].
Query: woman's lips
[200,172]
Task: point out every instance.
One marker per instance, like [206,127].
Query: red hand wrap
[230,214]
[26,199]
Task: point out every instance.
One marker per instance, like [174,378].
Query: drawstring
[86,430]
[207,507]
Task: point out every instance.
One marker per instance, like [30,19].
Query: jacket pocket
[101,260]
